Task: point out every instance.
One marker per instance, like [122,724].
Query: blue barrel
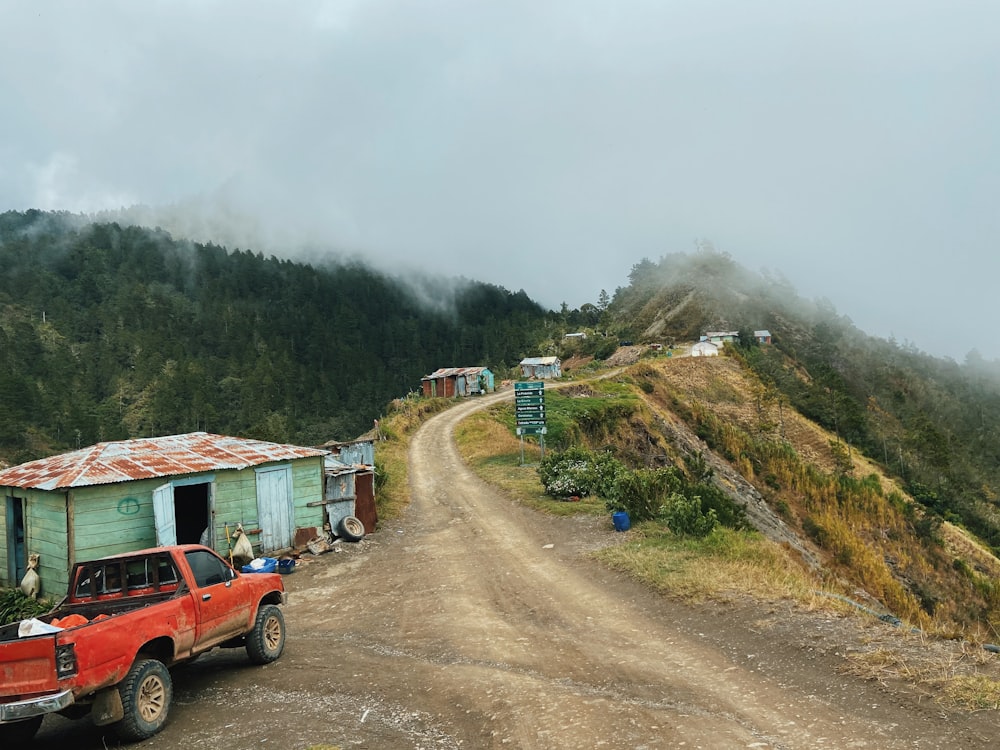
[621,521]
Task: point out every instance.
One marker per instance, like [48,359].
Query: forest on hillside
[932,423]
[109,332]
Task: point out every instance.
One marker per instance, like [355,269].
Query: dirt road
[474,623]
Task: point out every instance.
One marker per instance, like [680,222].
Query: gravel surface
[472,622]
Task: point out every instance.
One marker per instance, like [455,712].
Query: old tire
[267,639]
[351,529]
[19,733]
[146,693]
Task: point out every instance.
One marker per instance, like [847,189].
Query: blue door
[274,507]
[16,557]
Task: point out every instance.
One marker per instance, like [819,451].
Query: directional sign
[532,430]
[530,408]
[530,411]
[529,386]
[525,400]
[533,409]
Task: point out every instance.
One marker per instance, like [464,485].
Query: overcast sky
[853,147]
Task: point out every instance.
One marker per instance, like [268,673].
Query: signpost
[529,408]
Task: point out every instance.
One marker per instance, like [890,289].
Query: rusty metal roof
[334,467]
[128,460]
[448,372]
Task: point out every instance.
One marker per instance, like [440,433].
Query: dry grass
[725,564]
[490,450]
[404,418]
[395,493]
[975,692]
[959,675]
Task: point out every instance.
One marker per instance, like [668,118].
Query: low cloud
[543,146]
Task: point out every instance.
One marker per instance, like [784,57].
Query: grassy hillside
[871,534]
[931,425]
[851,529]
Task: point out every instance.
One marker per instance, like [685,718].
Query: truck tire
[267,639]
[146,693]
[351,529]
[19,733]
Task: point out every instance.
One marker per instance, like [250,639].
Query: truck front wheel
[19,733]
[267,639]
[146,692]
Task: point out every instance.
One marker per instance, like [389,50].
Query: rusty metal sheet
[148,458]
[450,372]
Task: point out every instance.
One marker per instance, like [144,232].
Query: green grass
[494,454]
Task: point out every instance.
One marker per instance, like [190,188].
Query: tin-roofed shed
[458,381]
[541,367]
[350,482]
[121,496]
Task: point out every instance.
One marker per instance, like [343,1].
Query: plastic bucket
[621,521]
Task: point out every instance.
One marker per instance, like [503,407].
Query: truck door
[223,611]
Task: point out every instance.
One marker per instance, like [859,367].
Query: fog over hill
[546,146]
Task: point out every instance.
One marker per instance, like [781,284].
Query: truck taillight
[65,660]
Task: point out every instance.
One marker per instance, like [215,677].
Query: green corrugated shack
[122,496]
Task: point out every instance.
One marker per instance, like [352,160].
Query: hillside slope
[847,521]
[908,445]
[110,332]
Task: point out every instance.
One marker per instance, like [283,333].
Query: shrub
[684,516]
[727,512]
[643,492]
[608,473]
[578,471]
[15,606]
[568,472]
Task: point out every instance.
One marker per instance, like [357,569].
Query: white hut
[704,349]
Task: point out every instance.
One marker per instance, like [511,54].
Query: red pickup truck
[105,649]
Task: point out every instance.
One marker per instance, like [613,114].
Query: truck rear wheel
[19,733]
[146,692]
[267,639]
